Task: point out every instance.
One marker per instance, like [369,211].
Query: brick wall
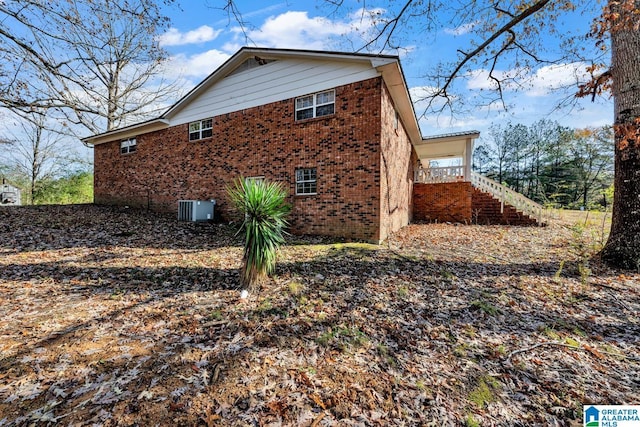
[397,158]
[461,202]
[264,141]
[446,202]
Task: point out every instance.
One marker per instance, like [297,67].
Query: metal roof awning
[446,146]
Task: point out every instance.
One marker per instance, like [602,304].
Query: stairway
[493,203]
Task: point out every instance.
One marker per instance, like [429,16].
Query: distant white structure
[9,195]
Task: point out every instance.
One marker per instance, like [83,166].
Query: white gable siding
[283,79]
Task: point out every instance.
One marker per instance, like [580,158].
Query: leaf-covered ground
[119,317]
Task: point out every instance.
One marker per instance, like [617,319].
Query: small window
[306,181]
[396,120]
[128,146]
[316,105]
[200,129]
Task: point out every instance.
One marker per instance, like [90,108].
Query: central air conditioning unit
[195,210]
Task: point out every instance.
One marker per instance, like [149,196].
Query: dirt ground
[120,317]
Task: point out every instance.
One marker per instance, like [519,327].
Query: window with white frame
[306,181]
[316,105]
[200,129]
[128,146]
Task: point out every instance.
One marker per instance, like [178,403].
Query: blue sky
[201,38]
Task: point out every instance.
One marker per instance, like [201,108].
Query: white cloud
[296,30]
[461,30]
[552,77]
[422,96]
[480,80]
[432,122]
[264,10]
[175,37]
[444,123]
[543,82]
[195,66]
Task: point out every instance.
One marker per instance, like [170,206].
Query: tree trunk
[623,247]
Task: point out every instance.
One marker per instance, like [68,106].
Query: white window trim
[128,146]
[316,104]
[302,181]
[201,129]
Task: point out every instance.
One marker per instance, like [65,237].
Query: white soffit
[440,147]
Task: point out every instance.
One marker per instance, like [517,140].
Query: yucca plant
[265,217]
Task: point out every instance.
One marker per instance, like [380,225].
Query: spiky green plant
[265,217]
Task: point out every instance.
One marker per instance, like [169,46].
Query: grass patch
[343,338]
[461,350]
[484,392]
[488,308]
[550,333]
[355,246]
[470,421]
[571,342]
[295,288]
[216,314]
[403,292]
[267,309]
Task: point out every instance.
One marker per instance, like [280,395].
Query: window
[306,181]
[316,105]
[128,146]
[200,129]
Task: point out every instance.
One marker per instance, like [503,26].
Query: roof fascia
[450,137]
[396,83]
[127,132]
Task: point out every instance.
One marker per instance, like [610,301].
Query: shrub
[265,211]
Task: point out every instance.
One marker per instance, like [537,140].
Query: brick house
[339,129]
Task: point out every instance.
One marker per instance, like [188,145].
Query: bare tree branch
[391,26]
[517,19]
[98,73]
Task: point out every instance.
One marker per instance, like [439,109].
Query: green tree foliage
[265,217]
[549,163]
[38,156]
[72,188]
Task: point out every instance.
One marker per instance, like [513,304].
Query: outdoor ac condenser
[196,210]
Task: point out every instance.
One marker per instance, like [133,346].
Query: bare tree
[591,153]
[37,154]
[97,63]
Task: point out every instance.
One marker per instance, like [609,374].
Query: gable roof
[387,66]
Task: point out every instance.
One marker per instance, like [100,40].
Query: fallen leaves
[120,317]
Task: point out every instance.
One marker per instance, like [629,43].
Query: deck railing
[504,194]
[508,196]
[439,174]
